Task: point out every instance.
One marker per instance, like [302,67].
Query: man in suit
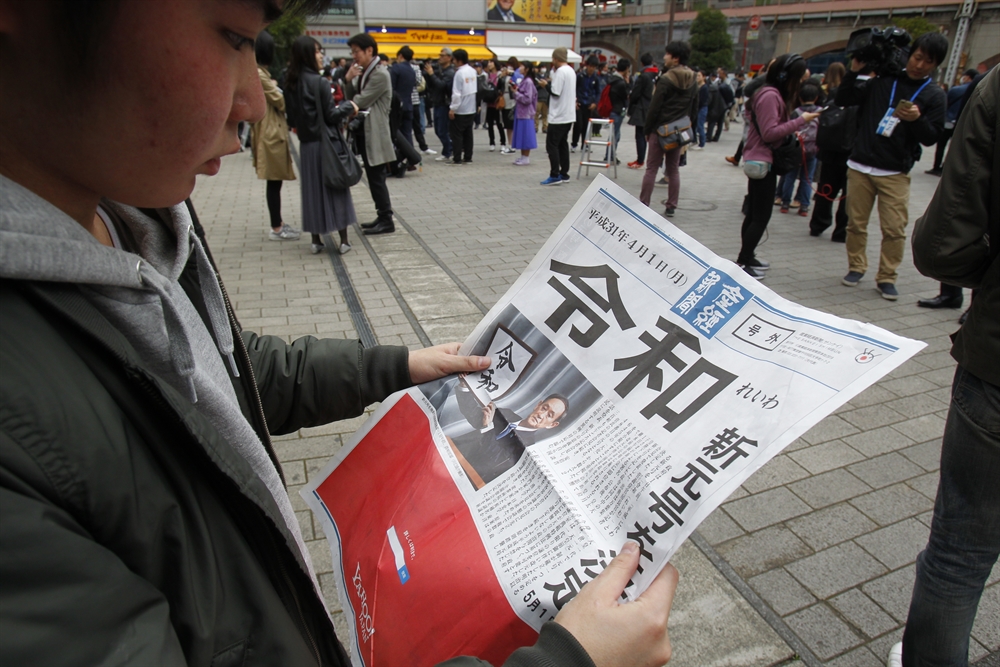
[404,80]
[369,86]
[501,435]
[503,10]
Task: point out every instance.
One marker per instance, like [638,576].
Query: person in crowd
[728,101]
[543,101]
[511,74]
[525,99]
[832,184]
[748,90]
[769,121]
[269,138]
[638,102]
[562,111]
[953,99]
[704,98]
[419,117]
[495,108]
[618,96]
[311,110]
[896,115]
[369,86]
[463,108]
[439,84]
[404,85]
[588,94]
[716,109]
[808,94]
[953,242]
[674,98]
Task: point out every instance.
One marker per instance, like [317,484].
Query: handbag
[675,134]
[787,156]
[340,167]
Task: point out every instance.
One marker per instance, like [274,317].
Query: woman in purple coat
[526,99]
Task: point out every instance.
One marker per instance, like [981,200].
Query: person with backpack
[808,94]
[588,93]
[638,101]
[835,135]
[768,117]
[617,99]
[716,109]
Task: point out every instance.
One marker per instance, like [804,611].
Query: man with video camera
[900,108]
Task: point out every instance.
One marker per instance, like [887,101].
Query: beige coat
[377,98]
[269,137]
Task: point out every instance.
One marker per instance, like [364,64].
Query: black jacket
[640,97]
[438,90]
[302,107]
[618,94]
[404,80]
[899,151]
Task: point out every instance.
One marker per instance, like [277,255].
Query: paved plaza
[812,559]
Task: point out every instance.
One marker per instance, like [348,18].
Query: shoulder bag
[675,134]
[785,157]
[341,170]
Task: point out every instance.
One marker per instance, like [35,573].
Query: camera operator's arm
[926,118]
[853,91]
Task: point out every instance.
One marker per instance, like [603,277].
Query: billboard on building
[342,8]
[555,12]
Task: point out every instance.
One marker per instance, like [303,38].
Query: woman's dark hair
[264,49]
[646,59]
[786,75]
[934,44]
[303,60]
[834,75]
[364,41]
[680,51]
[530,71]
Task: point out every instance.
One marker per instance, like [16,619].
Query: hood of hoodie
[681,76]
[139,294]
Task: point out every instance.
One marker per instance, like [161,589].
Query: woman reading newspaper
[143,516]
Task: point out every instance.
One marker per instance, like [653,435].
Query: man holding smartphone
[896,115]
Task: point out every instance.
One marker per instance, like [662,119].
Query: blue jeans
[965,530]
[423,116]
[702,117]
[441,129]
[787,185]
[617,120]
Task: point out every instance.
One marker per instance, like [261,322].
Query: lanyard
[892,96]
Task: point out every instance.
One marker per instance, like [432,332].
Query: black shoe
[839,238]
[759,264]
[383,227]
[369,225]
[670,211]
[934,172]
[941,301]
[752,272]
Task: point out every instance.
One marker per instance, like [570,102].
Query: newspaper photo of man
[500,435]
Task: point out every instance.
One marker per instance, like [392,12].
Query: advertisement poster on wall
[554,12]
[342,8]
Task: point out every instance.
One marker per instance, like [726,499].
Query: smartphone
[905,104]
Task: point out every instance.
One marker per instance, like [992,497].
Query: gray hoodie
[139,294]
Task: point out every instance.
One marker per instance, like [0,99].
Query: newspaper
[637,380]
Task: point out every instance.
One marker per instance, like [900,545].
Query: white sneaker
[492,147]
[895,658]
[697,148]
[504,150]
[430,151]
[345,248]
[441,158]
[316,248]
[286,234]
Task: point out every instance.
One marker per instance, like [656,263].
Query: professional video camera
[886,51]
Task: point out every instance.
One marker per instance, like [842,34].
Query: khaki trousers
[893,193]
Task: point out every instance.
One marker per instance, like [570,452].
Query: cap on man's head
[560,53]
[445,51]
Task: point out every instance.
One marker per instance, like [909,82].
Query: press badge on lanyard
[889,122]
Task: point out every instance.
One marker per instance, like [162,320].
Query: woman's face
[319,59]
[174,80]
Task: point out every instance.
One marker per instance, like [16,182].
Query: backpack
[485,91]
[604,104]
[838,129]
[807,137]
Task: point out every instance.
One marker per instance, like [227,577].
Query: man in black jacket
[439,83]
[404,80]
[638,101]
[896,115]
[143,514]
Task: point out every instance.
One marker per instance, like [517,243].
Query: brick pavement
[824,536]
